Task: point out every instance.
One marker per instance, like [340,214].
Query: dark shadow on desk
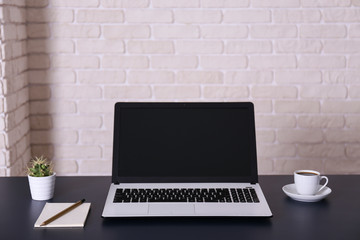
[187,228]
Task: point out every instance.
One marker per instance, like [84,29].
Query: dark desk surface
[336,217]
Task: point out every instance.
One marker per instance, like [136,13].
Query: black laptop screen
[184,142]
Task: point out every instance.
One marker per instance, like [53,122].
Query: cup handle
[327,180]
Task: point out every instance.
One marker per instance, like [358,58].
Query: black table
[336,217]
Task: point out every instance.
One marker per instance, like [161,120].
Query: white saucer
[290,190]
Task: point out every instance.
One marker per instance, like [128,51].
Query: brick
[342,136]
[101,77]
[321,62]
[354,91]
[295,106]
[176,31]
[275,150]
[342,15]
[126,32]
[353,151]
[342,77]
[100,16]
[298,46]
[198,16]
[265,136]
[38,30]
[354,31]
[125,62]
[271,62]
[76,121]
[224,32]
[247,16]
[16,66]
[321,150]
[77,3]
[175,3]
[148,16]
[226,92]
[75,92]
[125,3]
[95,167]
[302,77]
[296,16]
[176,92]
[50,46]
[354,62]
[340,107]
[341,46]
[177,62]
[38,61]
[248,77]
[126,92]
[53,77]
[224,3]
[265,166]
[100,46]
[223,62]
[263,106]
[75,31]
[54,137]
[275,3]
[320,91]
[37,3]
[342,166]
[322,31]
[325,3]
[273,31]
[50,107]
[300,136]
[41,15]
[275,121]
[42,122]
[321,121]
[96,106]
[66,167]
[14,14]
[39,92]
[72,61]
[94,137]
[204,77]
[274,92]
[248,47]
[199,47]
[46,150]
[288,166]
[150,47]
[356,2]
[352,121]
[151,77]
[77,152]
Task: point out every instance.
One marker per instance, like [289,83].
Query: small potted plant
[41,178]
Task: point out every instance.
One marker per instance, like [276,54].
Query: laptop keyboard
[224,195]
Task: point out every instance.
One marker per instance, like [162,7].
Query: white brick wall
[14,94]
[297,60]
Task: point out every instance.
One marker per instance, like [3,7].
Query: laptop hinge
[253,183]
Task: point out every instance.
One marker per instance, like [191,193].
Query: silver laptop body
[185,159]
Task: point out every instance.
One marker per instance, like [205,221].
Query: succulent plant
[40,167]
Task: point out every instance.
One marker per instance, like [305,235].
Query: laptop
[186,160]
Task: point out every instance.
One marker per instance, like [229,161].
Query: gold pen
[63,212]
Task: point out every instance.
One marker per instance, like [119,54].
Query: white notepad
[74,218]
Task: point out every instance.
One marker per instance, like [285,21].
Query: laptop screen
[184,142]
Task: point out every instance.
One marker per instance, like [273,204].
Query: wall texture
[14,94]
[297,60]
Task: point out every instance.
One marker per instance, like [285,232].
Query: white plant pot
[42,188]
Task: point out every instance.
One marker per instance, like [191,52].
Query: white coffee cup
[307,182]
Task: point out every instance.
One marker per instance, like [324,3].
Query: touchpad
[171,209]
